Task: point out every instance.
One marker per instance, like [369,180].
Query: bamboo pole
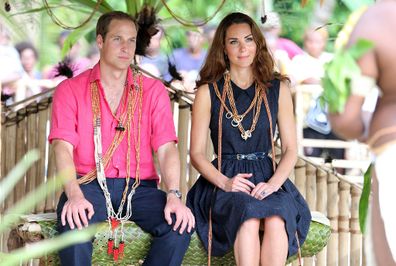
[332,213]
[20,188]
[193,175]
[10,158]
[310,198]
[184,118]
[311,187]
[52,199]
[321,203]
[343,223]
[299,181]
[41,145]
[356,235]
[300,178]
[31,144]
[9,163]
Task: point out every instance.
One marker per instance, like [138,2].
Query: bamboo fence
[324,189]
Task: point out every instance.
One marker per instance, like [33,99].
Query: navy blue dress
[231,209]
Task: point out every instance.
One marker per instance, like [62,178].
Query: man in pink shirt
[106,123]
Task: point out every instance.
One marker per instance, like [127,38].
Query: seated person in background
[273,28]
[11,70]
[308,68]
[32,78]
[188,61]
[155,61]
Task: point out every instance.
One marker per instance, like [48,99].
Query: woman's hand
[239,183]
[263,190]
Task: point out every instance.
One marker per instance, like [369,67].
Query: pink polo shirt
[72,122]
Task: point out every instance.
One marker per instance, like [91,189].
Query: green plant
[12,215]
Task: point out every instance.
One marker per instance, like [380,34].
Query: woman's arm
[287,131]
[199,136]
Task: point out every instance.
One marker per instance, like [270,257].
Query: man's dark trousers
[167,248]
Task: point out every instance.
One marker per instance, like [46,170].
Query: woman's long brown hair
[216,62]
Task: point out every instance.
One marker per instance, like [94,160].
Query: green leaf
[339,73]
[13,24]
[355,4]
[361,47]
[8,183]
[365,199]
[30,200]
[41,248]
[133,6]
[104,7]
[74,37]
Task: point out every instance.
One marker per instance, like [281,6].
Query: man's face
[118,48]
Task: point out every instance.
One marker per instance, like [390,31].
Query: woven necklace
[134,101]
[236,119]
[120,126]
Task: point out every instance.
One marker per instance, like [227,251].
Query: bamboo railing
[324,189]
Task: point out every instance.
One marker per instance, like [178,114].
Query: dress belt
[250,156]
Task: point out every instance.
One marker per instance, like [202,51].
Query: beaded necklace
[134,101]
[237,119]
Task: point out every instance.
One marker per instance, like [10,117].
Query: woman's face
[28,59]
[240,46]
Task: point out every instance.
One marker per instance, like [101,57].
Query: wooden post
[310,198]
[300,176]
[184,118]
[193,175]
[20,188]
[321,203]
[332,214]
[10,162]
[311,187]
[31,144]
[299,181]
[41,145]
[356,235]
[343,223]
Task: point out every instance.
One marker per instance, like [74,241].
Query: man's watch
[176,192]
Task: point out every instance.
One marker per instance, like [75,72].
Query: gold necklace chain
[237,119]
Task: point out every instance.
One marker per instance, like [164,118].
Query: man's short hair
[102,27]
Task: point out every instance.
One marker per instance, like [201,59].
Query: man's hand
[75,212]
[184,217]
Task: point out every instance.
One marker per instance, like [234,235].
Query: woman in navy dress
[239,193]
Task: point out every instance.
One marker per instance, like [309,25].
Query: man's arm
[76,206]
[350,124]
[168,157]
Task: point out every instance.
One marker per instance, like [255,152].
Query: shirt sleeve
[64,115]
[163,128]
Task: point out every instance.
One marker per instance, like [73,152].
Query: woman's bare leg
[247,244]
[275,243]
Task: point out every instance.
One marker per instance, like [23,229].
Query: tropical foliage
[12,215]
